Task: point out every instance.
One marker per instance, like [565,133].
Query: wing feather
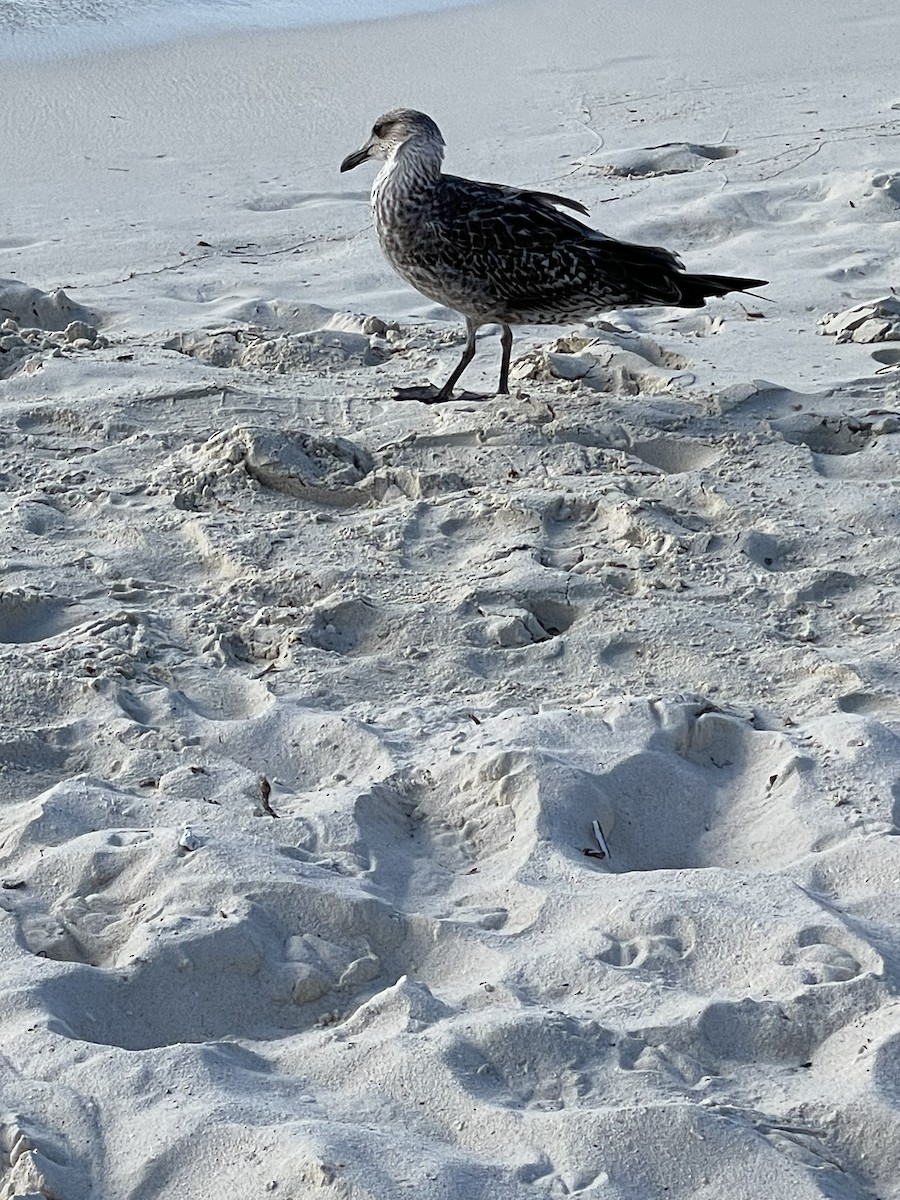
[543,257]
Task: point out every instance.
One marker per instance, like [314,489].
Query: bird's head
[398,128]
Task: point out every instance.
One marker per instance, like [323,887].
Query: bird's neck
[407,176]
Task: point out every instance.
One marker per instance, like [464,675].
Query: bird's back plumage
[510,255]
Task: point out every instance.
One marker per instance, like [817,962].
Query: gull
[506,255]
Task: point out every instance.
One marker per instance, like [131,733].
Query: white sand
[310,698]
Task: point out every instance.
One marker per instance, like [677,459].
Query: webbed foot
[429,394]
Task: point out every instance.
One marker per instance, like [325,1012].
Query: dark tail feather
[696,288]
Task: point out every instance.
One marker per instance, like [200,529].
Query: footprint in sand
[826,434]
[652,952]
[864,446]
[513,622]
[351,626]
[763,549]
[34,617]
[817,958]
[888,358]
[305,466]
[675,456]
[281,352]
[226,968]
[871,704]
[728,777]
[671,158]
[219,694]
[514,1064]
[627,364]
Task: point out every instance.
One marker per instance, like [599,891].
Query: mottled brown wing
[545,199]
[537,257]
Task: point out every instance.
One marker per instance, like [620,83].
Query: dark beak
[354,159]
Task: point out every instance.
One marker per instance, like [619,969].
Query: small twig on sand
[265,791]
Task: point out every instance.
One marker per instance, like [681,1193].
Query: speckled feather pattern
[498,253]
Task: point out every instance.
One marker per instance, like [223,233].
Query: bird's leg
[429,394]
[467,355]
[506,341]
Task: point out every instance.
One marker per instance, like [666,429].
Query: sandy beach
[483,801]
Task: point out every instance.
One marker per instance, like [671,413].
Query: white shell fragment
[601,840]
[189,840]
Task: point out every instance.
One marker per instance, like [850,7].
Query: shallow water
[53,28]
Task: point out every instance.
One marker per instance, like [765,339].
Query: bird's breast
[406,232]
[422,246]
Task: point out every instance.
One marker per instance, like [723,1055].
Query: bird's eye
[380,129]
